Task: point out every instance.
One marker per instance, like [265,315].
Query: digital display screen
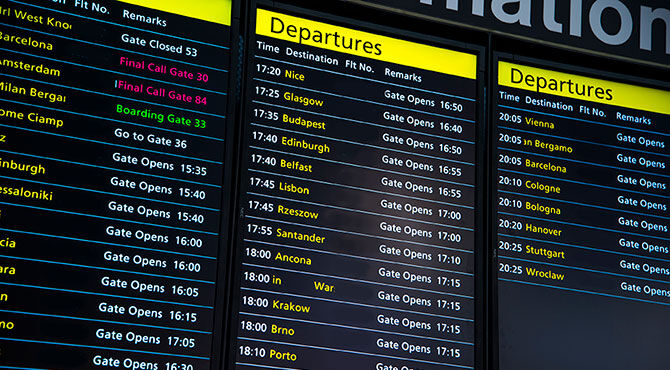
[582,221]
[356,231]
[112,121]
[336,210]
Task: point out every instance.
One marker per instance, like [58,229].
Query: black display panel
[356,223]
[581,207]
[112,125]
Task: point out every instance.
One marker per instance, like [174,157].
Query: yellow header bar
[364,44]
[583,88]
[215,11]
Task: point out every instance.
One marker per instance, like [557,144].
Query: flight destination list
[582,221]
[356,232]
[112,119]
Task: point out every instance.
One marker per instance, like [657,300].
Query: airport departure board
[112,121]
[338,210]
[582,221]
[356,230]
